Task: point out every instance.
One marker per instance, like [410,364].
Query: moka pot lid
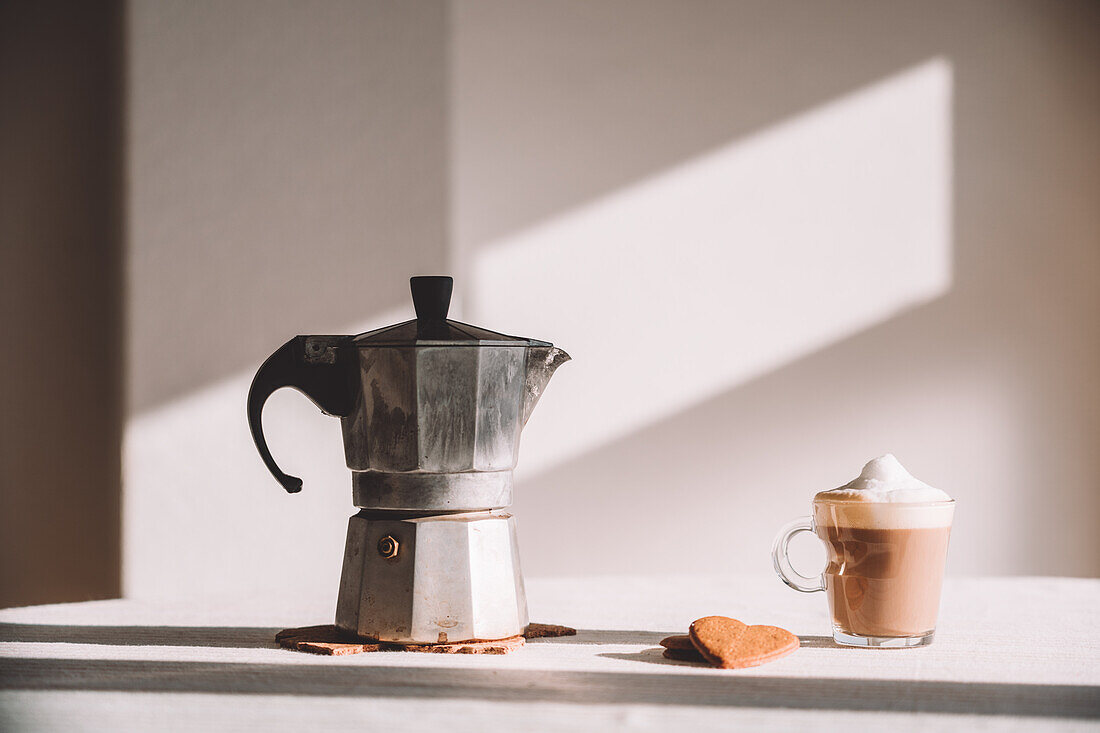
[432,299]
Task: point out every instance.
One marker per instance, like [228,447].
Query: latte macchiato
[886,536]
[884,579]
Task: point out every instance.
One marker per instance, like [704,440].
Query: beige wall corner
[60,300]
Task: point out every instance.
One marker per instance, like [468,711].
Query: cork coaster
[322,640]
[499,646]
[730,644]
[329,641]
[547,631]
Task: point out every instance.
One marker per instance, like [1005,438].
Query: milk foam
[885,495]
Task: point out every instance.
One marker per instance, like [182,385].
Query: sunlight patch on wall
[684,285]
[202,517]
[666,293]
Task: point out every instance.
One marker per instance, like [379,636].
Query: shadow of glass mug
[883,571]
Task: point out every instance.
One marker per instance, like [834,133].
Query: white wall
[572,125]
[777,239]
[287,171]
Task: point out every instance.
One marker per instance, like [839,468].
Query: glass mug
[884,568]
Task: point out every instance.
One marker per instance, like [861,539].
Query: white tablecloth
[1020,654]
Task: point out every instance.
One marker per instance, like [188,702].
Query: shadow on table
[240,637]
[655,655]
[820,642]
[711,688]
[337,677]
[619,636]
[245,637]
[607,636]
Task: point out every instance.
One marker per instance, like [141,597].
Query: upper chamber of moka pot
[431,409]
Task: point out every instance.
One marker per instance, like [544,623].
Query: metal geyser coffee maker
[431,412]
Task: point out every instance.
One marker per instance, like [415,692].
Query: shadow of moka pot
[431,412]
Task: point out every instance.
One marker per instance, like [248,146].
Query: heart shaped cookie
[683,655]
[714,637]
[679,642]
[730,644]
[679,647]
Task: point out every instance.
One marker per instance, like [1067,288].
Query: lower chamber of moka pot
[431,580]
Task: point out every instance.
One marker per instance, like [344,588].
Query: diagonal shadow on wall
[988,391]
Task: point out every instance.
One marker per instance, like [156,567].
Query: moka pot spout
[542,362]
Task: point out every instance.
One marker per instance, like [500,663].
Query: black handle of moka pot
[322,368]
[432,299]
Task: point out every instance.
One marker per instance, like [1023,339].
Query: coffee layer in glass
[885,565]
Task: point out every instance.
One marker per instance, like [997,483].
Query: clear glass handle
[782,563]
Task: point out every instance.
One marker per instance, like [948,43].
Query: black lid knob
[432,299]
